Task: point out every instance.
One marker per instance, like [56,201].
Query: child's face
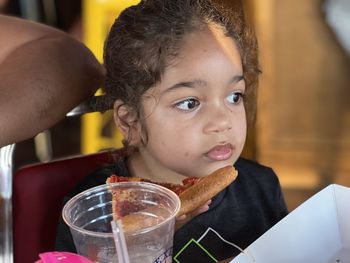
[195,117]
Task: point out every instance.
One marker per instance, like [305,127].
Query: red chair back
[38,192]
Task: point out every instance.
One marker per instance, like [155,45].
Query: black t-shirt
[237,216]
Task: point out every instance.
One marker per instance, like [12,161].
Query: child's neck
[141,166]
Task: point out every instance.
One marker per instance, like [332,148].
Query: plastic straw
[120,243]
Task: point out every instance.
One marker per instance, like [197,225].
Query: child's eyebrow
[188,84]
[200,83]
[237,78]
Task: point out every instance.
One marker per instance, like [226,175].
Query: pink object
[61,257]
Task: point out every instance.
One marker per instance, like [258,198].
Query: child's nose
[219,120]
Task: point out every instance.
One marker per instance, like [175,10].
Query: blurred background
[303,118]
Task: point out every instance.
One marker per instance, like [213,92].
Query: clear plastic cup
[89,215]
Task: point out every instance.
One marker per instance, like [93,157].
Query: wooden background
[303,124]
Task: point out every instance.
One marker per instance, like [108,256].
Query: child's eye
[187,105]
[235,97]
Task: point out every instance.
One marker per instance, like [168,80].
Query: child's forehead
[211,35]
[200,44]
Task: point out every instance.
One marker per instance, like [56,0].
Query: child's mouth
[220,152]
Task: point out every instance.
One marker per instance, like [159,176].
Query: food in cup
[89,215]
[193,193]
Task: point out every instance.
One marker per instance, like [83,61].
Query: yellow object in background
[98,130]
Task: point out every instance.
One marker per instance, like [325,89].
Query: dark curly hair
[145,39]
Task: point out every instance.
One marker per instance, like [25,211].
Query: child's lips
[220,152]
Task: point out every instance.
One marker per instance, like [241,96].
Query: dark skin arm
[44,73]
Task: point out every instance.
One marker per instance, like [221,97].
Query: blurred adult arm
[44,73]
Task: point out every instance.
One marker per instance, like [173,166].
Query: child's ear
[127,122]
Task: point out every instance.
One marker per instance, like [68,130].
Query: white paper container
[317,231]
